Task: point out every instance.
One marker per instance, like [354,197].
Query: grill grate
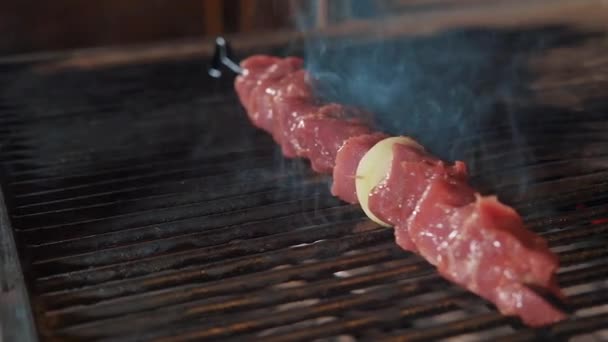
[146,207]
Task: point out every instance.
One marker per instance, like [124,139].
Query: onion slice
[374,167]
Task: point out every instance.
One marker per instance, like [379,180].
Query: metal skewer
[222,57]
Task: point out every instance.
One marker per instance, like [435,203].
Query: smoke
[436,89]
[454,91]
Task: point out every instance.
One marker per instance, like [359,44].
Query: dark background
[34,25]
[38,25]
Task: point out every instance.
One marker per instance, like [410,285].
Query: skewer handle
[222,57]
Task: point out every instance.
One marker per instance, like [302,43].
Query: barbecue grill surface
[145,206]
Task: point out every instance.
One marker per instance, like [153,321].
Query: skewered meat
[474,241]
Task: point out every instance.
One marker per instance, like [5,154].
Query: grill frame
[15,306]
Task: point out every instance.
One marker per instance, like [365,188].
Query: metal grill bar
[63,249]
[110,259]
[259,274]
[256,299]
